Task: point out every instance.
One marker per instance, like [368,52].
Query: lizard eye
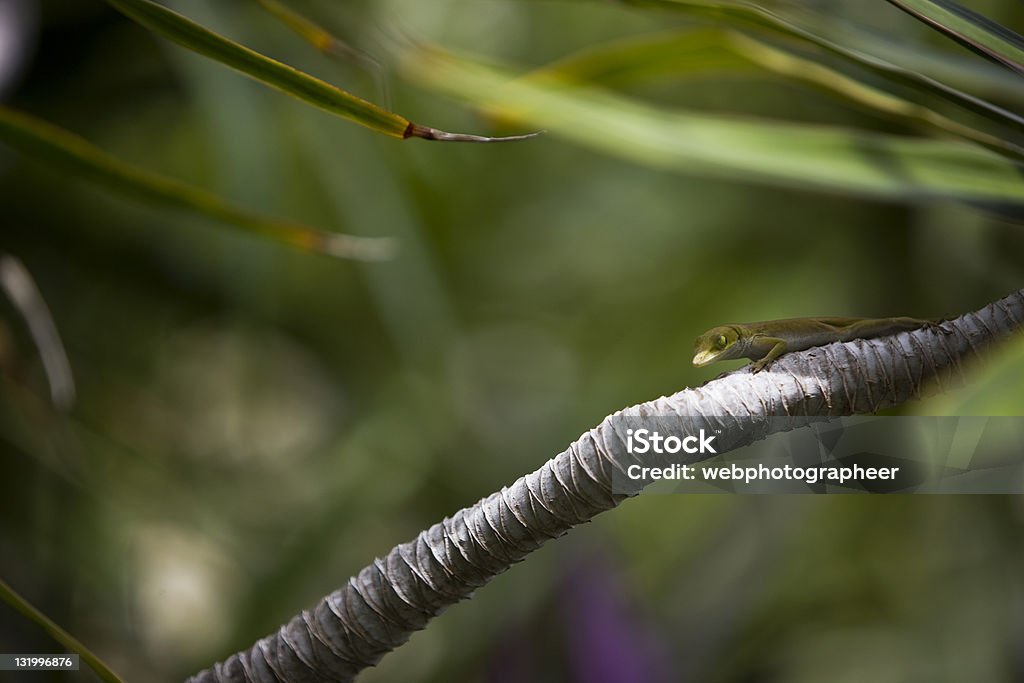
[721,341]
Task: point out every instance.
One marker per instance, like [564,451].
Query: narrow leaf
[21,289]
[44,142]
[702,52]
[771,152]
[874,52]
[886,100]
[977,32]
[26,609]
[317,36]
[329,44]
[287,79]
[677,53]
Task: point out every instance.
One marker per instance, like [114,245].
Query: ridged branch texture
[377,610]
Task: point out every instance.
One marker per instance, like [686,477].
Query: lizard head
[718,343]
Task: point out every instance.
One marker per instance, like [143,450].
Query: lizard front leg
[775,348]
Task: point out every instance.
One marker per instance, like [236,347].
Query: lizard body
[763,342]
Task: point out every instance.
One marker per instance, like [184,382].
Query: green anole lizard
[763,342]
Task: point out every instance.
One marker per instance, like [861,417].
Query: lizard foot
[759,365]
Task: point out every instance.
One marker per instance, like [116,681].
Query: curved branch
[377,610]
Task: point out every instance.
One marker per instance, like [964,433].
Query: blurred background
[254,424]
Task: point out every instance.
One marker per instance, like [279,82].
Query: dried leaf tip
[427,133]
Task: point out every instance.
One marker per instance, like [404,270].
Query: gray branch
[377,610]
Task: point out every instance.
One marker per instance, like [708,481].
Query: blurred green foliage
[255,424]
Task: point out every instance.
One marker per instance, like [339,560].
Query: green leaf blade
[187,33]
[783,154]
[886,57]
[29,611]
[59,148]
[286,79]
[317,36]
[977,32]
[703,52]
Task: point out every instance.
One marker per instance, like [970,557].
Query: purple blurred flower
[609,640]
